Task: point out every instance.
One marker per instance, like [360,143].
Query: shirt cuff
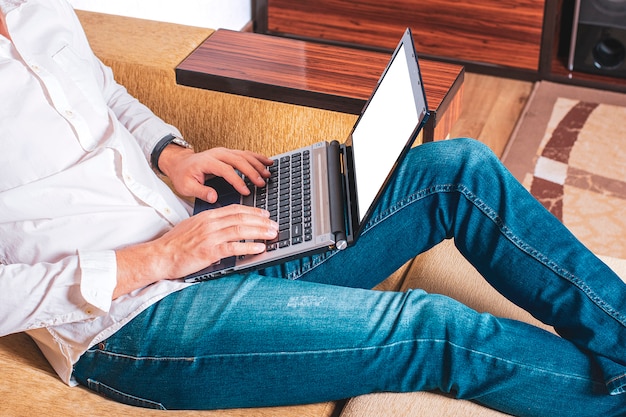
[152,134]
[98,278]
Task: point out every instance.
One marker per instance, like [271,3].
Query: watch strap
[161,145]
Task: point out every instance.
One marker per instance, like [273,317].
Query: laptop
[322,195]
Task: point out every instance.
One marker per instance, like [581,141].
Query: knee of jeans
[442,311]
[472,151]
[473,156]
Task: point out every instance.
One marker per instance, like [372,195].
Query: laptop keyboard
[287,196]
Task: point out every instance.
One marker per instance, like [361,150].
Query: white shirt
[75,184]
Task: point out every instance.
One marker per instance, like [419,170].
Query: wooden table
[312,74]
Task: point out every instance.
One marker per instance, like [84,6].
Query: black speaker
[598,42]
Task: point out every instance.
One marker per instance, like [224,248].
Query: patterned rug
[569,150]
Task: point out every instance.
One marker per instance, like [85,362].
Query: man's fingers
[258,171]
[229,165]
[252,165]
[242,248]
[201,191]
[237,218]
[235,230]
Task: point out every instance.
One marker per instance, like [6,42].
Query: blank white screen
[383,131]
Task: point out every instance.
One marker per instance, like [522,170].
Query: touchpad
[226,195]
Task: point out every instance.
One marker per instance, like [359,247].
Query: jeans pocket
[122,397]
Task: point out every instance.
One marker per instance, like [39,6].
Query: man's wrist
[160,147]
[137,267]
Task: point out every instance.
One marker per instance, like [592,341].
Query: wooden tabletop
[305,73]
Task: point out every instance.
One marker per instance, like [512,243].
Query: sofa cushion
[30,387]
[415,404]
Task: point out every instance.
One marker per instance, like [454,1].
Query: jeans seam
[121,396]
[538,255]
[297,274]
[616,385]
[190,359]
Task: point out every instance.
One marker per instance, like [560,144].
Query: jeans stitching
[384,346]
[121,396]
[617,384]
[539,256]
[317,261]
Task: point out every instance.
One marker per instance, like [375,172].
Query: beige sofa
[143,55]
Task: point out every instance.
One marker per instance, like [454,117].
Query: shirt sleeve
[76,289]
[146,127]
[98,272]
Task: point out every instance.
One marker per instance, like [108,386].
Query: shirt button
[35,68]
[69,114]
[167,211]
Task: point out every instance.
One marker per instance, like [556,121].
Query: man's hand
[194,244]
[187,170]
[207,237]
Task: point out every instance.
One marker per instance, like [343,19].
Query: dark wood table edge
[248,88]
[450,94]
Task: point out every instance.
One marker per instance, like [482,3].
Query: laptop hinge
[352,211]
[336,193]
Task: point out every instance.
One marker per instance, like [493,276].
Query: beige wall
[230,14]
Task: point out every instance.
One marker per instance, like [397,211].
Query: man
[93,246]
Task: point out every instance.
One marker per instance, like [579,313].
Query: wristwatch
[160,146]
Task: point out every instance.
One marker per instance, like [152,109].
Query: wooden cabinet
[500,33]
[526,39]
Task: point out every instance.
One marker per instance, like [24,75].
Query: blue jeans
[321,334]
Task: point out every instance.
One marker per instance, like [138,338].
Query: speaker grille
[598,42]
[605,13]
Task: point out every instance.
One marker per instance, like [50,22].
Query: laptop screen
[391,118]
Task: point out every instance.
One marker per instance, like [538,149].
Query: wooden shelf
[560,73]
[517,39]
